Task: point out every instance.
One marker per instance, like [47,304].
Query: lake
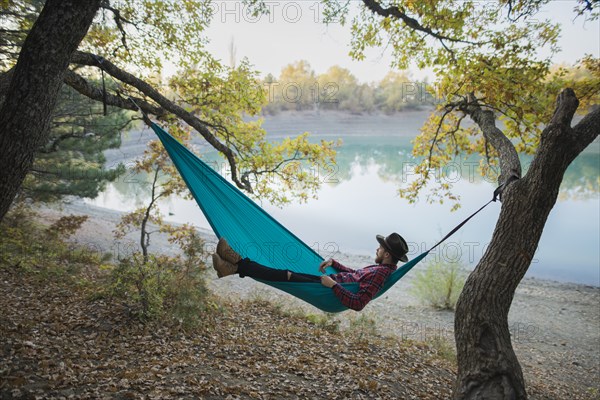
[359,198]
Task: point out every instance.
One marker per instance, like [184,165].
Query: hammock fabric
[255,234]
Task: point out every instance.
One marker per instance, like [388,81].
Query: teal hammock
[255,234]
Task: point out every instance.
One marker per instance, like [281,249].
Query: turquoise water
[359,199]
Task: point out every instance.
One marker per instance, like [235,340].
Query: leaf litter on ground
[58,342]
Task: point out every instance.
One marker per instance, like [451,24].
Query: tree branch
[586,131]
[85,88]
[559,136]
[510,166]
[566,106]
[119,22]
[412,23]
[437,133]
[54,145]
[200,126]
[559,143]
[518,10]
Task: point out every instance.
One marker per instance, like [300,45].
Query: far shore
[555,326]
[338,124]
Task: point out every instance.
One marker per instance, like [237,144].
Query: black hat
[395,245]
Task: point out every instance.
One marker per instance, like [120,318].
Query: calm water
[360,198]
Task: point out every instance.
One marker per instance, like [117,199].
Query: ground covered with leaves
[60,340]
[57,341]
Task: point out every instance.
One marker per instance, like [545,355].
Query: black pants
[247,267]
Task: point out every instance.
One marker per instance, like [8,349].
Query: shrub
[439,284]
[155,286]
[160,287]
[66,226]
[326,321]
[47,251]
[363,326]
[187,297]
[444,348]
[138,284]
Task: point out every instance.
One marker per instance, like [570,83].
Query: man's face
[379,254]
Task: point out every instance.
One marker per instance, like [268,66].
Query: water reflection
[396,164]
[359,199]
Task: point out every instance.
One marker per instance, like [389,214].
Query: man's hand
[325,264]
[327,281]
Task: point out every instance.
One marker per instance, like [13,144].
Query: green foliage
[45,250]
[224,98]
[484,53]
[138,35]
[339,90]
[438,284]
[326,321]
[170,288]
[141,284]
[17,17]
[146,32]
[297,88]
[72,161]
[584,78]
[158,286]
[593,392]
[397,92]
[65,227]
[188,299]
[300,88]
[444,348]
[363,326]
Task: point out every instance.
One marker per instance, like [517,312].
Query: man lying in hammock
[392,249]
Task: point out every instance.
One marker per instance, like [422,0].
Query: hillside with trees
[299,88]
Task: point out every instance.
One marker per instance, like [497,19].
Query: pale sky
[294,31]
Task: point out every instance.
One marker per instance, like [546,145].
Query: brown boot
[223,268]
[226,252]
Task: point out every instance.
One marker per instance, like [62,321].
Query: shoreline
[555,326]
[358,173]
[78,205]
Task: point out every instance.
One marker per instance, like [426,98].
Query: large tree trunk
[487,365]
[26,112]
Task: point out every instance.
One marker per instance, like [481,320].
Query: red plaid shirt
[370,281]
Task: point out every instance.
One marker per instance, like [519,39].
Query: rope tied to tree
[100,60]
[144,115]
[497,196]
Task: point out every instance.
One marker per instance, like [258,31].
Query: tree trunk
[25,114]
[487,365]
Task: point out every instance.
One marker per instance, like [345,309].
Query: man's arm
[369,287]
[355,301]
[341,267]
[334,264]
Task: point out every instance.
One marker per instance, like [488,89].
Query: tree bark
[487,365]
[5,79]
[25,114]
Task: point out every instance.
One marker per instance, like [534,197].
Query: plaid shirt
[370,281]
